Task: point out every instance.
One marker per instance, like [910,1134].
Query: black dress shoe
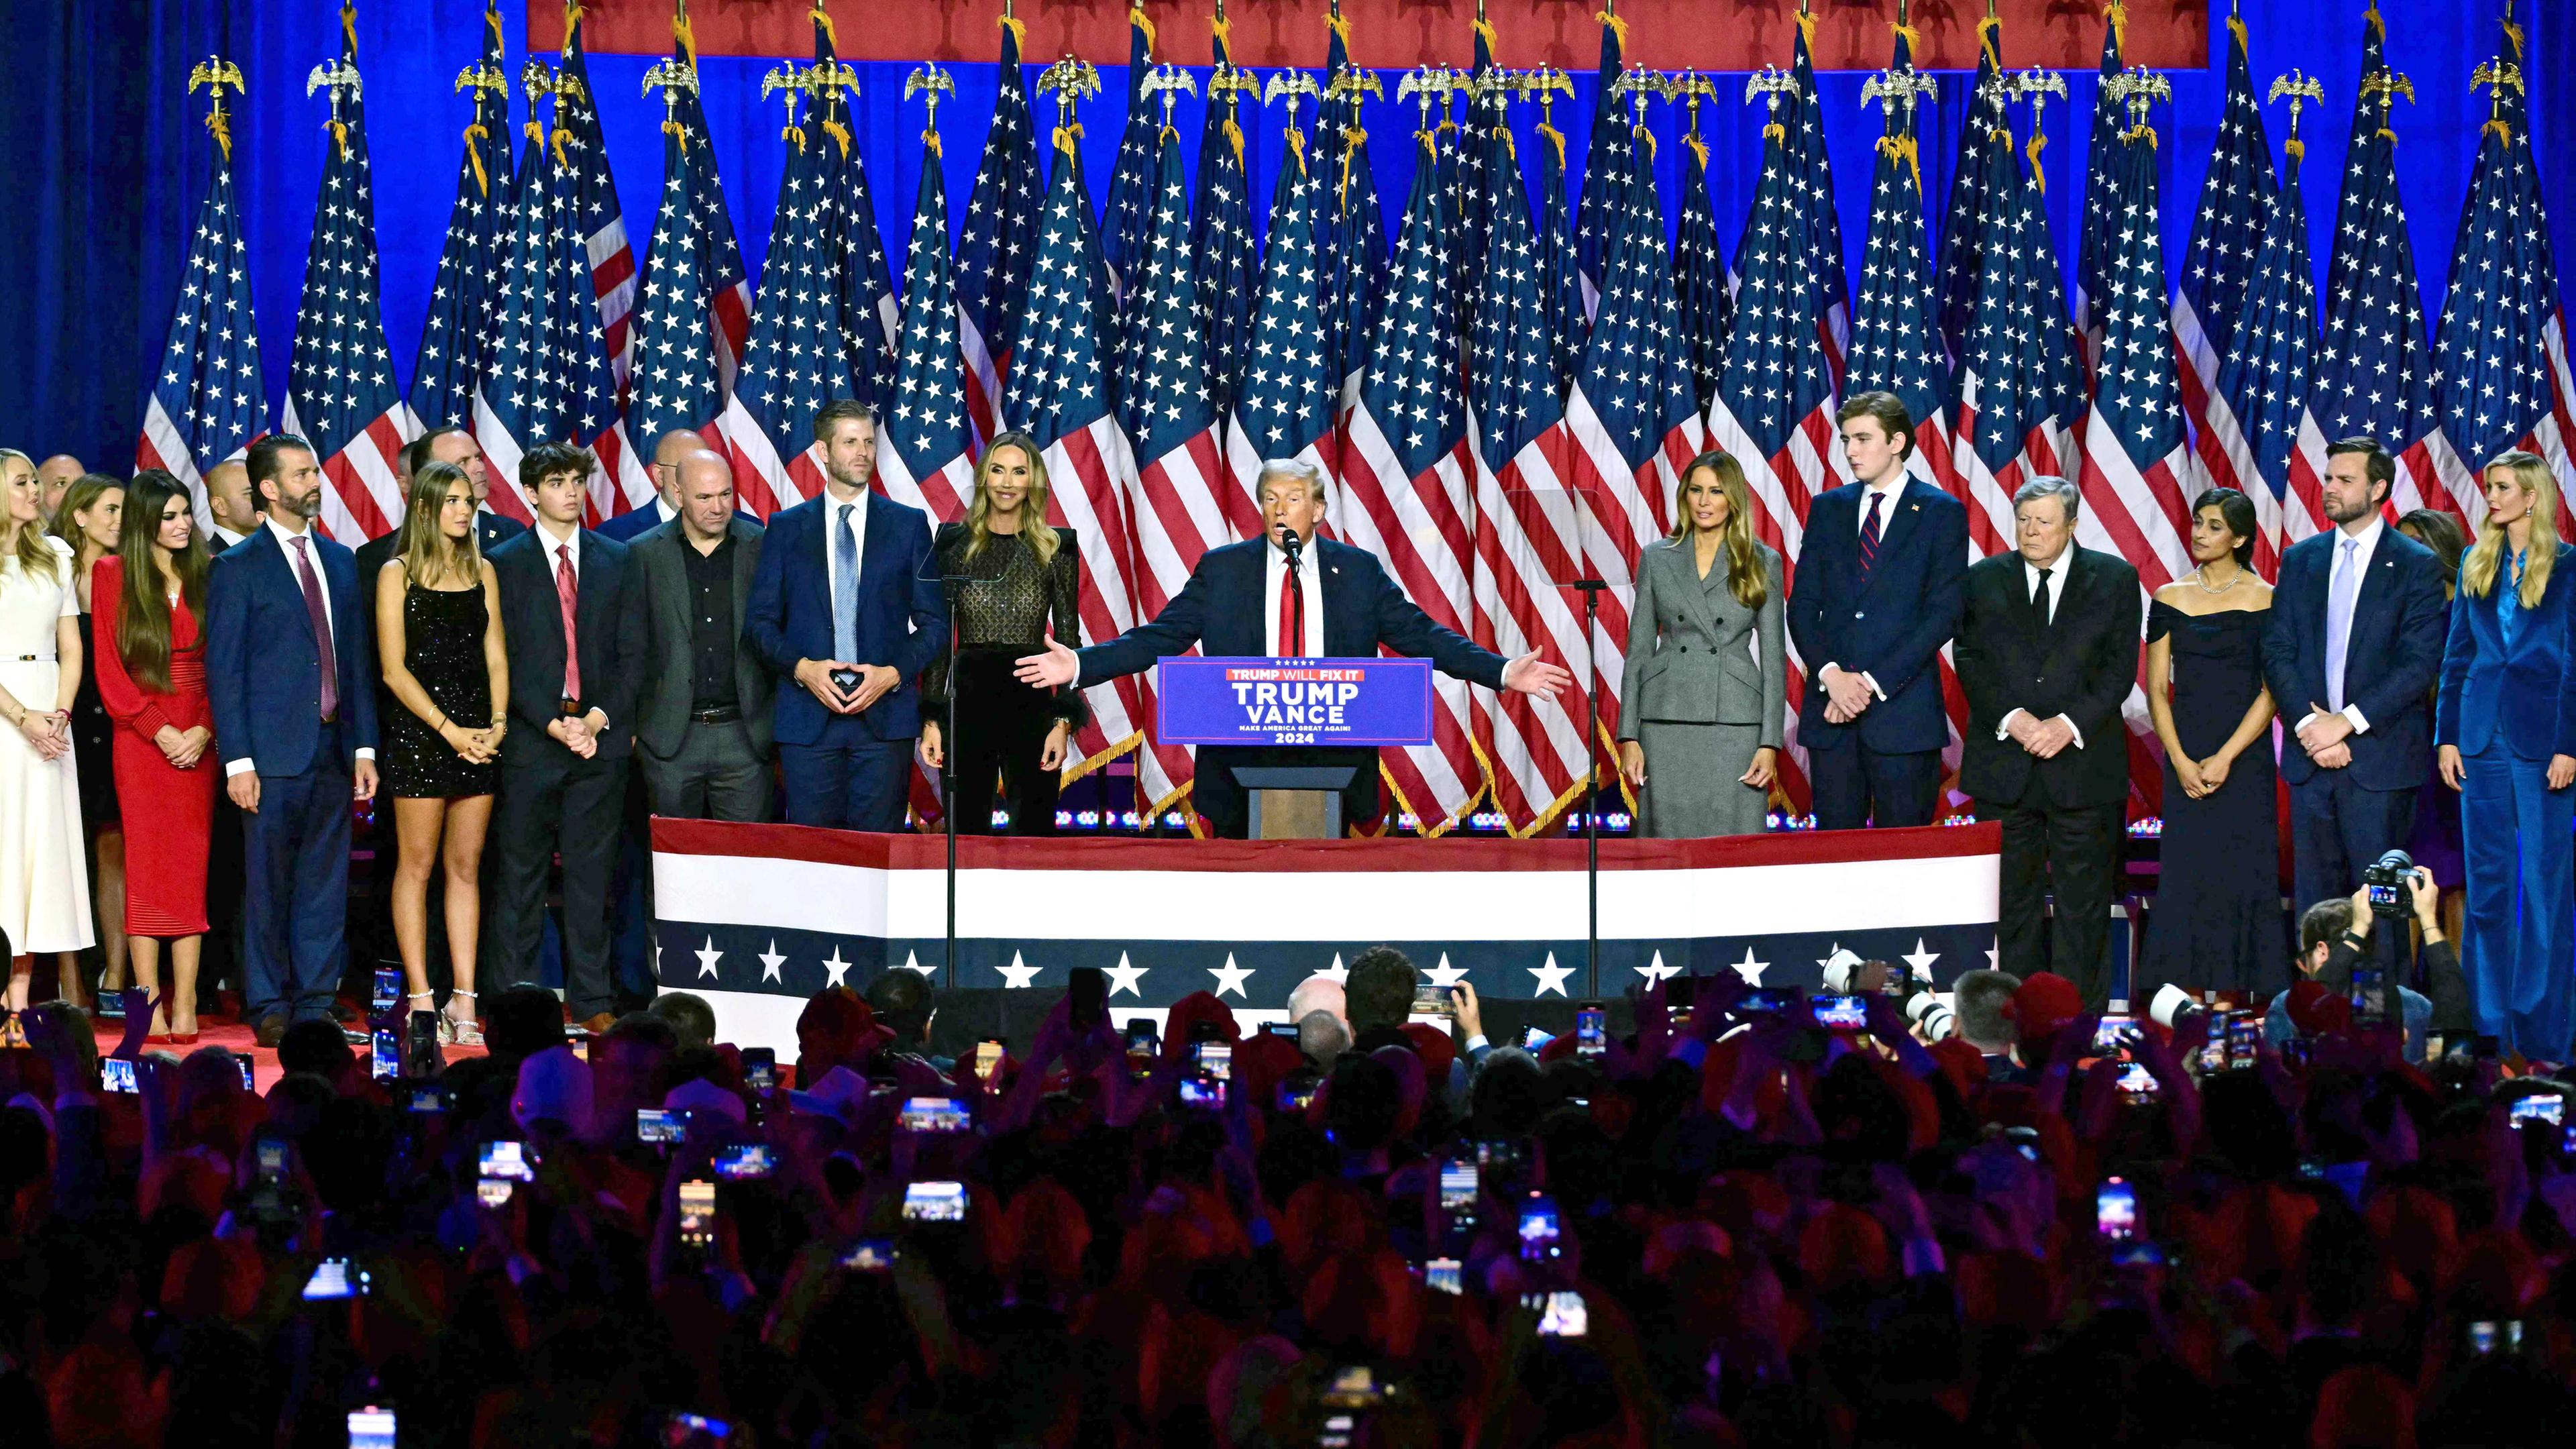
[343,1011]
[271,1031]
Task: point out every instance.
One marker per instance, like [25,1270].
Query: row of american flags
[1503,386]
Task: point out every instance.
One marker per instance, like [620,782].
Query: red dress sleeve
[128,703]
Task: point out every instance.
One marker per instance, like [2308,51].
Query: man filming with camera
[2334,939]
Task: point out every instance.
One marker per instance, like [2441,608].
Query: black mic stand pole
[1591,589]
[950,584]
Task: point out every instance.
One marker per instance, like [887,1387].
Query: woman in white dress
[44,873]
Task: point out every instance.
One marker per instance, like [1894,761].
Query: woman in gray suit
[1693,701]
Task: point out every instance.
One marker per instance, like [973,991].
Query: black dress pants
[1002,727]
[2071,852]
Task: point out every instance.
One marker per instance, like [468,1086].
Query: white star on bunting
[1018,975]
[1230,977]
[1551,977]
[838,968]
[1123,977]
[770,961]
[1750,969]
[1921,960]
[708,956]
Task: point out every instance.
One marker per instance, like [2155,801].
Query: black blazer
[668,660]
[1221,610]
[2084,669]
[609,620]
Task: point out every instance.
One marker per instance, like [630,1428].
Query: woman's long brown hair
[143,612]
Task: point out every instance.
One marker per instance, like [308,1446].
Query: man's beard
[2364,511]
[308,507]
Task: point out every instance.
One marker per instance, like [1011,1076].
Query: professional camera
[1931,1018]
[1846,974]
[2386,878]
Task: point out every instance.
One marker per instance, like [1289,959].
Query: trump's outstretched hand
[1054,669]
[1530,674]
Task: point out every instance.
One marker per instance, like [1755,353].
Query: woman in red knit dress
[149,603]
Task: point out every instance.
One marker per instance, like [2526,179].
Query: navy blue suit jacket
[608,619]
[2520,700]
[1890,628]
[1223,609]
[263,672]
[630,525]
[2390,663]
[901,620]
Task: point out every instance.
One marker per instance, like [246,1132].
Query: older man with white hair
[1288,594]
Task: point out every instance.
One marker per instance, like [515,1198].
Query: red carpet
[237,1036]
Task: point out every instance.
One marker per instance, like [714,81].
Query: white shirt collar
[1310,583]
[555,546]
[2365,542]
[285,539]
[228,536]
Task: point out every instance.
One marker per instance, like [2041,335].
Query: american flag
[340,391]
[594,195]
[802,353]
[719,251]
[2138,469]
[1632,420]
[207,402]
[2093,263]
[1605,164]
[1484,146]
[478,237]
[1290,389]
[1813,172]
[1228,261]
[2235,199]
[866,286]
[1707,307]
[1559,274]
[1774,409]
[1127,220]
[1059,395]
[2261,401]
[1171,415]
[2494,349]
[1404,493]
[548,377]
[676,384]
[925,450]
[1529,524]
[2374,373]
[1358,276]
[2019,382]
[999,241]
[1896,342]
[1985,163]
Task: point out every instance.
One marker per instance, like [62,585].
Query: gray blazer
[1686,657]
[662,703]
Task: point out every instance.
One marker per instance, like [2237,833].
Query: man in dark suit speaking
[1257,599]
[2047,651]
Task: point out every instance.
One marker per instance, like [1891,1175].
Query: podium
[1283,705]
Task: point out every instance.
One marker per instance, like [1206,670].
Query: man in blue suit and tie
[1256,599]
[1877,593]
[292,681]
[846,611]
[2351,653]
[634,523]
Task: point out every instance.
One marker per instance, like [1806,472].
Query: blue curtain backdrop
[107,158]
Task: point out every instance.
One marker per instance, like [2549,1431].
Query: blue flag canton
[209,384]
[1814,175]
[519,379]
[1699,279]
[2492,351]
[675,367]
[1224,247]
[341,376]
[2019,342]
[1986,164]
[1775,373]
[2268,370]
[1126,223]
[2235,204]
[1511,367]
[579,341]
[799,356]
[927,423]
[1636,373]
[1289,383]
[2093,263]
[998,245]
[590,190]
[1560,278]
[1167,400]
[1412,384]
[2374,368]
[2136,391]
[469,265]
[1059,381]
[1360,276]
[1605,164]
[866,284]
[1895,346]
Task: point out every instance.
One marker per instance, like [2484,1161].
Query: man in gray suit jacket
[702,713]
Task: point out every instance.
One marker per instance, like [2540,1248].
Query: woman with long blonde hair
[1022,574]
[44,875]
[2504,728]
[438,615]
[1706,684]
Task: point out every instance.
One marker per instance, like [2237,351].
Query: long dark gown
[2217,921]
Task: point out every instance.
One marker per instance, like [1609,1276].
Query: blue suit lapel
[1903,509]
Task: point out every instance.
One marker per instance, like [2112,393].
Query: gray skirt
[1692,781]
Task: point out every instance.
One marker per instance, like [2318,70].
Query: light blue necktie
[2509,604]
[845,589]
[2342,590]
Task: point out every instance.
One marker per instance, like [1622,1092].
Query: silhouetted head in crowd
[314,1046]
[1363,1099]
[1322,1037]
[520,1022]
[691,1019]
[901,1000]
[1380,989]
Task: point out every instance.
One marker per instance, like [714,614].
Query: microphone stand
[1591,589]
[949,587]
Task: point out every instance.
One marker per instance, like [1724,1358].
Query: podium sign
[1349,702]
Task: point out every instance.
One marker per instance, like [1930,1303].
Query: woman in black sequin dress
[1023,575]
[438,613]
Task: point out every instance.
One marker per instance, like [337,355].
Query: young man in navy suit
[2351,653]
[1877,593]
[292,680]
[846,611]
[1255,599]
[572,612]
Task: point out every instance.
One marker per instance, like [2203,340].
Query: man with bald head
[667,453]
[230,504]
[702,712]
[56,474]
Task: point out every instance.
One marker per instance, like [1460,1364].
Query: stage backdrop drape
[106,156]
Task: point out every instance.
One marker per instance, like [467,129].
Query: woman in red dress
[150,602]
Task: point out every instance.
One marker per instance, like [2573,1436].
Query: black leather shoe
[270,1031]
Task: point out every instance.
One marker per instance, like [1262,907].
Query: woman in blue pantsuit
[2506,730]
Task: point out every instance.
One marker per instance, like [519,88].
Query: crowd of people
[1713,1223]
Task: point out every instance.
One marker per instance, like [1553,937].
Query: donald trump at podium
[1288,595]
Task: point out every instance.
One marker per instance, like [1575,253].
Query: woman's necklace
[2200,576]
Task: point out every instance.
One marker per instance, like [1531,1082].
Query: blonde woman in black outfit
[1023,576]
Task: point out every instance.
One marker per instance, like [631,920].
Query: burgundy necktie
[321,619]
[1869,534]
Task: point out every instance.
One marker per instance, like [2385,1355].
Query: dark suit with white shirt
[2343,819]
[1230,608]
[1883,615]
[2076,657]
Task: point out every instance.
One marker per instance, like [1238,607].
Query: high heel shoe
[464,1030]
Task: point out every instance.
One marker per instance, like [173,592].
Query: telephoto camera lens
[1935,1020]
